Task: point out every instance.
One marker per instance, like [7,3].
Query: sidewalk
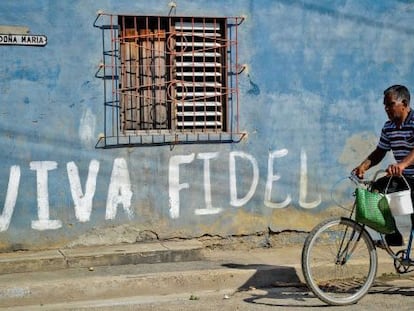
[35,261]
[162,268]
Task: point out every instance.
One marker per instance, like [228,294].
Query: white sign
[30,40]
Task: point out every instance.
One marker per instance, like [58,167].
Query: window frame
[125,42]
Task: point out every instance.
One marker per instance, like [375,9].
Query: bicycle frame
[404,257]
[328,254]
[408,249]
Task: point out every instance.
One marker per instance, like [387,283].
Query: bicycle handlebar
[357,180]
[361,181]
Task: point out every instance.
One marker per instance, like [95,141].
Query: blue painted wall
[310,101]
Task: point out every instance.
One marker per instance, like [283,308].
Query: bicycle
[339,257]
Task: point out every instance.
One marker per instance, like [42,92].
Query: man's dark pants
[396,184]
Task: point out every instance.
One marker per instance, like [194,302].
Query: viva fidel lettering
[120,194]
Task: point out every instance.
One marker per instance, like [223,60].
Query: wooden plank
[129,81]
[160,105]
[146,99]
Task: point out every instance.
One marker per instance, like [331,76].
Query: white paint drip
[87,127]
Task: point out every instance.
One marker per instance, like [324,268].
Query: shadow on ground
[280,286]
[268,275]
[276,286]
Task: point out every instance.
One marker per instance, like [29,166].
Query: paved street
[390,295]
[177,276]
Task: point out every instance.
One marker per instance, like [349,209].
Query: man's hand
[361,169]
[395,169]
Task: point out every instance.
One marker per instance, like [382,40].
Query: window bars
[169,80]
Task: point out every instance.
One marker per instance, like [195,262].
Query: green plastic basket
[372,210]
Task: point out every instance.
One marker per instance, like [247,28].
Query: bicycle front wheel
[339,261]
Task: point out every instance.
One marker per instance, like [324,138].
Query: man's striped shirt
[399,140]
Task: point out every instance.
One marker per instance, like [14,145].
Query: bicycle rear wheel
[339,261]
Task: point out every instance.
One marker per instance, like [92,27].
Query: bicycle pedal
[380,244]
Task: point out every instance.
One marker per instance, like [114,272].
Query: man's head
[401,93]
[397,103]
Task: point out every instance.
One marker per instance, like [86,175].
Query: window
[169,80]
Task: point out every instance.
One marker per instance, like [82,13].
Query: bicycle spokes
[349,242]
[339,261]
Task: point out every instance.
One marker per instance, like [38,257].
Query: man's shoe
[394,239]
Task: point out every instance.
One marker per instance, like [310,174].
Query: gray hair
[400,91]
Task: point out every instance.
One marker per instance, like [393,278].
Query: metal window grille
[169,80]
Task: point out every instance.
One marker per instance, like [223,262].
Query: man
[397,135]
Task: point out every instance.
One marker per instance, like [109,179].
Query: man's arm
[398,168]
[373,159]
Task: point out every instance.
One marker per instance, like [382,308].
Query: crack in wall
[262,239]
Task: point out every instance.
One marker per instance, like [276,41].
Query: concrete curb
[70,285]
[155,284]
[32,261]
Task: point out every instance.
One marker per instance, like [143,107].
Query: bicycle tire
[337,276]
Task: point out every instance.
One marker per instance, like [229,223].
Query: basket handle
[377,173]
[389,181]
